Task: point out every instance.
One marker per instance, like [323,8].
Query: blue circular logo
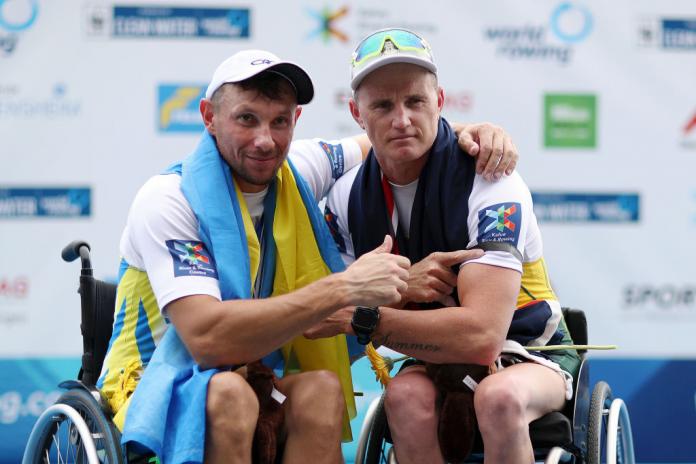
[20,25]
[579,16]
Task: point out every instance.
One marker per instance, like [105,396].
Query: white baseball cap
[387,46]
[247,63]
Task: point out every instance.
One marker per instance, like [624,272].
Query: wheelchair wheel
[609,437]
[74,429]
[599,411]
[377,449]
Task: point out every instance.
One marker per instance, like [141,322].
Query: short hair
[268,83]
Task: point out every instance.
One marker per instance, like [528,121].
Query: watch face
[365,317]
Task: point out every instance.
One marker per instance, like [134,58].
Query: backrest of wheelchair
[577,326]
[99,323]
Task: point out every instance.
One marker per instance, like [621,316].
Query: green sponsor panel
[570,121]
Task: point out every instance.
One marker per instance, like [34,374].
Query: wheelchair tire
[597,430]
[376,451]
[58,437]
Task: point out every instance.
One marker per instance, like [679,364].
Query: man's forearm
[446,335]
[239,331]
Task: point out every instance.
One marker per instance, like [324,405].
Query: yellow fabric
[298,263]
[128,380]
[536,281]
[119,383]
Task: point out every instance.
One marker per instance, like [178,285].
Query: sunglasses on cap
[403,40]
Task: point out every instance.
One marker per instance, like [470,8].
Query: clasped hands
[380,278]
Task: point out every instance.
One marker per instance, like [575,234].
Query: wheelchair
[78,428]
[591,429]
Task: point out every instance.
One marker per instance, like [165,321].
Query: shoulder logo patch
[500,223]
[335,154]
[191,259]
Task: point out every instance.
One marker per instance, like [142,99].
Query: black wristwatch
[364,323]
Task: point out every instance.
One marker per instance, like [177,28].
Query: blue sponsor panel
[176,22]
[27,387]
[178,107]
[58,202]
[586,207]
[679,34]
[661,399]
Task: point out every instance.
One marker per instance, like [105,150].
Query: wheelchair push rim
[74,429]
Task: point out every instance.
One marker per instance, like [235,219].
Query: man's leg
[507,401]
[413,419]
[314,411]
[232,410]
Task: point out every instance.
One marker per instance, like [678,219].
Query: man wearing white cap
[417,188]
[229,246]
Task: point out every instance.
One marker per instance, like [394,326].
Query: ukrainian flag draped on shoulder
[167,410]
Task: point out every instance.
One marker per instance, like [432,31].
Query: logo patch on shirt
[335,154]
[191,259]
[500,223]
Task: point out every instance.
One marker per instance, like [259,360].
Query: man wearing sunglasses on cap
[417,188]
[211,245]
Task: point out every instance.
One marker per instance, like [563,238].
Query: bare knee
[316,403]
[231,405]
[409,403]
[499,406]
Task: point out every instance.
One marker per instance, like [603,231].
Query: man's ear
[207,113]
[298,112]
[440,98]
[355,112]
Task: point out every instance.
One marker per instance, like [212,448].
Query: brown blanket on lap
[457,426]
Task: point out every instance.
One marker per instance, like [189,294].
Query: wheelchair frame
[601,427]
[79,427]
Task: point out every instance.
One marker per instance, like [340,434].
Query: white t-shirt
[161,222]
[498,211]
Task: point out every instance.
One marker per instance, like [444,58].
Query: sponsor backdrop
[599,97]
